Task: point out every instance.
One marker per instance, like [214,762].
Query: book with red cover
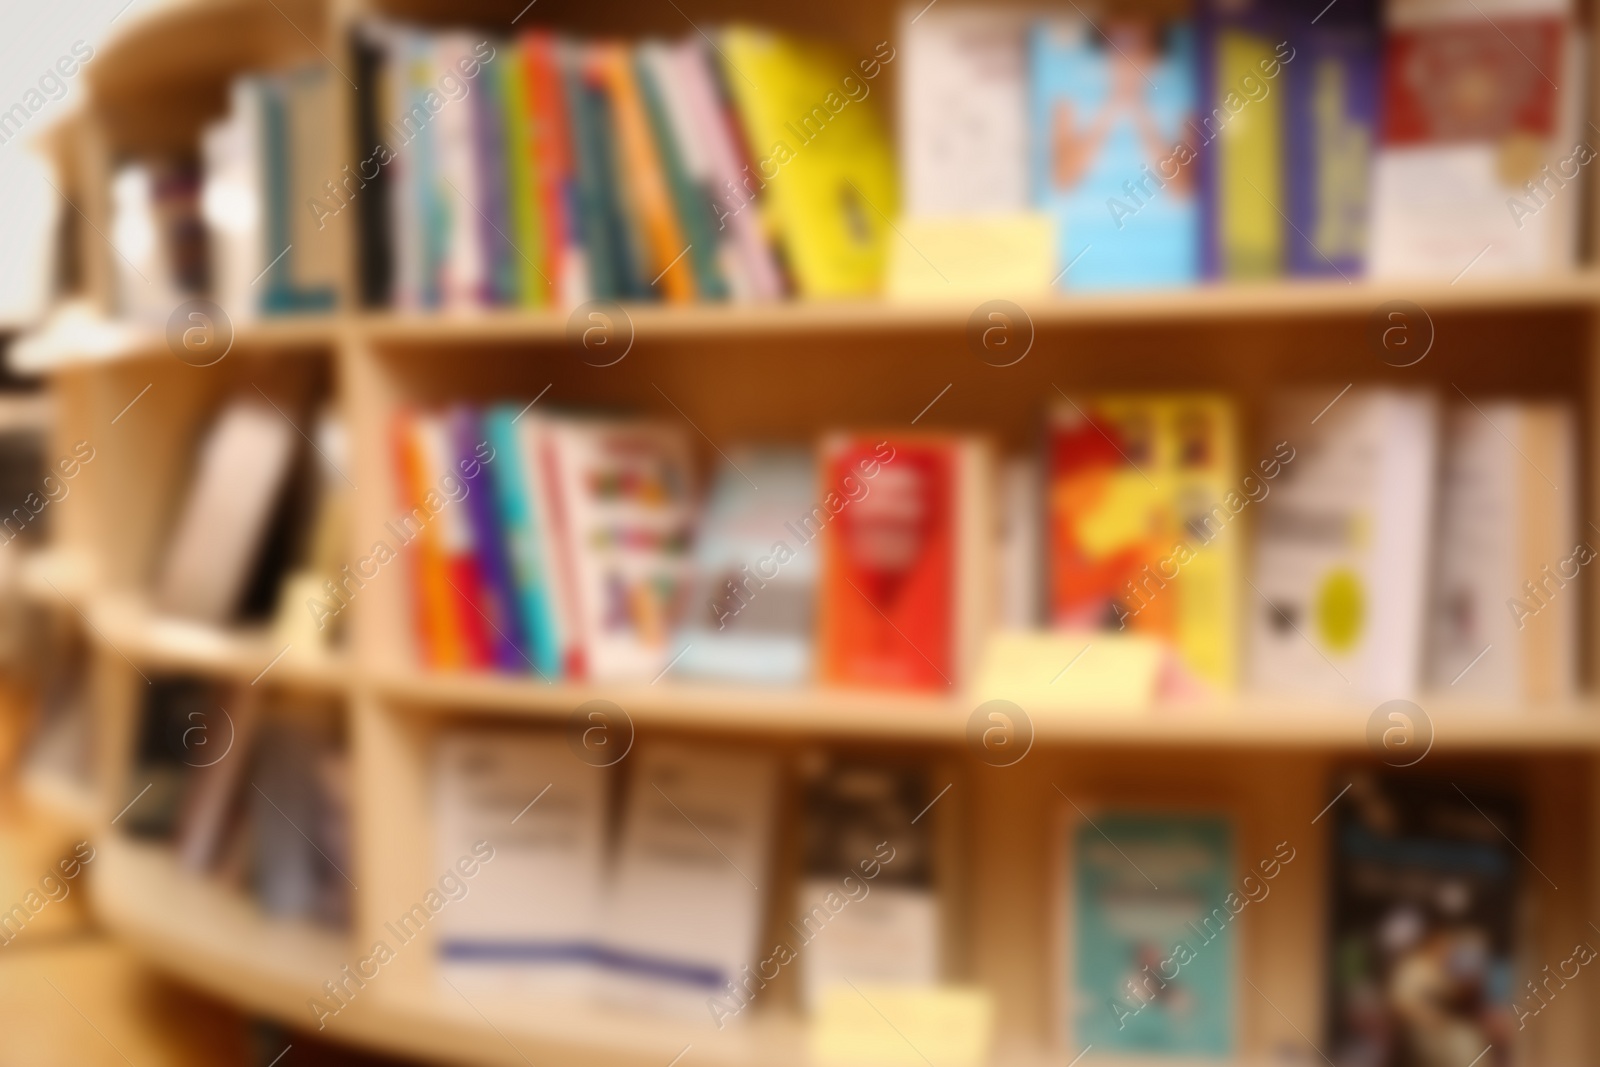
[895,584]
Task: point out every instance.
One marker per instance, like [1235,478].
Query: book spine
[499,599]
[515,501]
[435,637]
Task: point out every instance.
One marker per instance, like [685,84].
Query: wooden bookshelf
[778,372]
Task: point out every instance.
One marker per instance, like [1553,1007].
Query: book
[1503,620]
[1145,971]
[622,503]
[435,606]
[218,743]
[1467,181]
[298,150]
[1107,113]
[523,514]
[907,575]
[535,914]
[1332,91]
[1342,553]
[1140,505]
[170,706]
[298,817]
[805,120]
[677,150]
[752,615]
[695,844]
[496,597]
[867,910]
[1242,51]
[466,263]
[1427,923]
[241,472]
[230,203]
[963,110]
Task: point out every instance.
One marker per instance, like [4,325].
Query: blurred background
[711,534]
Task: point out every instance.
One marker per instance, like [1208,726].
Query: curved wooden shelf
[144,638]
[1290,299]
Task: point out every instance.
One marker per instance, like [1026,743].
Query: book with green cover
[1152,949]
[692,209]
[511,87]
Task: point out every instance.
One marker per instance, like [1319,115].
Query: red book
[895,602]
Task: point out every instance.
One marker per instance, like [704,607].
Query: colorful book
[905,586]
[1332,88]
[1108,115]
[1150,972]
[1426,929]
[831,209]
[674,142]
[1243,184]
[516,476]
[497,589]
[489,99]
[622,506]
[438,639]
[1479,150]
[1141,505]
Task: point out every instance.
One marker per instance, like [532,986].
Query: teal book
[517,496]
[1152,959]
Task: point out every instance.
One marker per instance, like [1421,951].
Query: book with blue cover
[1110,159]
[1332,91]
[516,481]
[1151,972]
[753,613]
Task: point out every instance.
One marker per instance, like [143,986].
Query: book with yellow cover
[820,157]
[1141,523]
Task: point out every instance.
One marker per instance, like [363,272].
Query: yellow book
[821,164]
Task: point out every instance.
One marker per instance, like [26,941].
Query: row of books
[251,789]
[543,170]
[1395,540]
[1426,889]
[1251,140]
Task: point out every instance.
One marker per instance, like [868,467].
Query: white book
[1451,183]
[530,917]
[1504,613]
[963,110]
[244,464]
[692,876]
[622,495]
[1342,546]
[464,275]
[230,203]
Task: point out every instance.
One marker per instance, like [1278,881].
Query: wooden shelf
[56,576]
[146,639]
[93,343]
[1244,721]
[61,799]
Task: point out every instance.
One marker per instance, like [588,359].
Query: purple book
[1334,91]
[499,595]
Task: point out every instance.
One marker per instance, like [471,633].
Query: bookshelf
[725,367]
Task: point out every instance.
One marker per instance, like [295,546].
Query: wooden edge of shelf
[216,939]
[60,799]
[1287,299]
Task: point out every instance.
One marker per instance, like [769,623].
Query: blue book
[751,617]
[498,589]
[520,504]
[1110,160]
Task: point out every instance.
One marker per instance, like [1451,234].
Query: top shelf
[75,347]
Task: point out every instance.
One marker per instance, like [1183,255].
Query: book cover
[1341,560]
[622,498]
[243,469]
[464,265]
[1108,113]
[497,589]
[1478,148]
[1426,924]
[752,614]
[520,500]
[1241,149]
[864,840]
[432,602]
[1503,620]
[493,199]
[461,604]
[675,148]
[886,515]
[373,57]
[529,821]
[1151,972]
[544,111]
[666,866]
[610,270]
[964,110]
[838,189]
[1332,90]
[1140,533]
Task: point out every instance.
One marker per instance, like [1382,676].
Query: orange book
[547,122]
[900,521]
[433,607]
[647,180]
